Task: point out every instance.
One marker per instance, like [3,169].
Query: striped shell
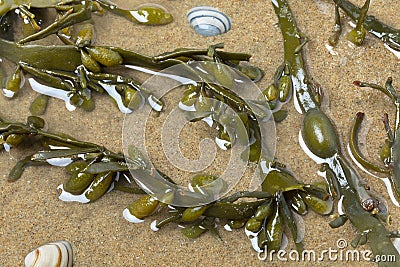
[55,254]
[208,21]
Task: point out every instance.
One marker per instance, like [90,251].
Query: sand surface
[31,213]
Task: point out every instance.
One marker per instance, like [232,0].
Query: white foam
[340,206]
[53,92]
[59,162]
[153,226]
[7,147]
[223,144]
[395,52]
[228,228]
[182,80]
[68,197]
[110,89]
[208,120]
[130,217]
[186,108]
[331,50]
[154,104]
[142,17]
[389,187]
[253,239]
[8,93]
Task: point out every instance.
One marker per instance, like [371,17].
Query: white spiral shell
[208,21]
[55,254]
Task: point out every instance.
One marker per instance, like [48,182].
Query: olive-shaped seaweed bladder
[319,134]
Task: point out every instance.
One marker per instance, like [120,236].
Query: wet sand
[31,213]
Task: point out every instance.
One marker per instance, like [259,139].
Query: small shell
[208,21]
[55,254]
